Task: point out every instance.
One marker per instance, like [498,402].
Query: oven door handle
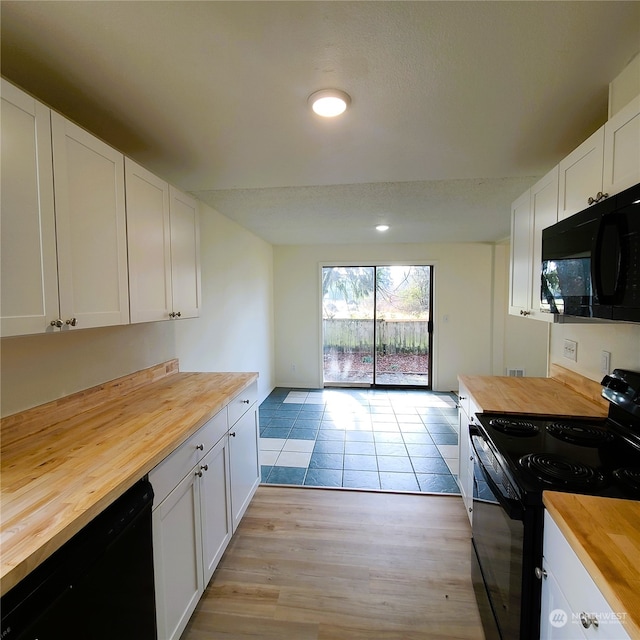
[512,506]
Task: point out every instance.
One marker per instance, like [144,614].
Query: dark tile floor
[398,440]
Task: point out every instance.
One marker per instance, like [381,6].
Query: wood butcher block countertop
[536,396]
[605,535]
[64,462]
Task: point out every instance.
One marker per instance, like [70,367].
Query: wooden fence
[394,336]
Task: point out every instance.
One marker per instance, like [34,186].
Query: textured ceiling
[456,106]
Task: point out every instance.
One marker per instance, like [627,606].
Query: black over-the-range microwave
[591,261]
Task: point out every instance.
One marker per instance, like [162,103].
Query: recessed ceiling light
[329,103]
[382,227]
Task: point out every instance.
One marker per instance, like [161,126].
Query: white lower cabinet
[572,605]
[466,415]
[177,557]
[215,507]
[245,465]
[201,493]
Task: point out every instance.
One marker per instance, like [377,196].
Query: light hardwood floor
[317,564]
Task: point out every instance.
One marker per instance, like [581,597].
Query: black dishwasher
[98,586]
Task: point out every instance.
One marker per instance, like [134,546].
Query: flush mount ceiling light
[329,103]
[382,227]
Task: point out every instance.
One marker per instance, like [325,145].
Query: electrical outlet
[605,362]
[571,350]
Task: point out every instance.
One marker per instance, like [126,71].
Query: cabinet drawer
[577,586]
[176,465]
[211,432]
[239,405]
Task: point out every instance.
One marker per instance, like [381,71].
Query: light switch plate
[571,350]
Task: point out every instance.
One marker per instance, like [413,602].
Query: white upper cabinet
[544,213]
[581,175]
[185,254]
[622,149]
[520,263]
[29,286]
[605,164]
[91,228]
[534,210]
[149,244]
[164,248]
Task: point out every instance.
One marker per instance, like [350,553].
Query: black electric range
[518,457]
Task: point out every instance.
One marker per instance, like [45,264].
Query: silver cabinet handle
[525,313]
[175,314]
[72,321]
[540,573]
[200,447]
[232,434]
[588,619]
[56,323]
[244,401]
[599,196]
[204,467]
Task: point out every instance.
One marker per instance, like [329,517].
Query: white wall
[233,333]
[622,340]
[235,330]
[463,292]
[519,343]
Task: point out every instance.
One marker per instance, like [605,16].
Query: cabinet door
[244,463]
[215,506]
[465,467]
[555,612]
[177,557]
[519,277]
[29,286]
[544,213]
[149,244]
[622,149]
[185,254]
[581,175]
[91,228]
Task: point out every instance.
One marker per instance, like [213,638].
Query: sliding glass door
[376,323]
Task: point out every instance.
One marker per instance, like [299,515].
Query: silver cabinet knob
[588,619]
[244,402]
[200,447]
[232,434]
[72,322]
[525,313]
[540,573]
[175,314]
[56,323]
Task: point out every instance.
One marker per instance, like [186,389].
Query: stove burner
[558,471]
[514,427]
[585,435]
[629,478]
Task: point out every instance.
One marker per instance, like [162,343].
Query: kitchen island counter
[605,535]
[64,462]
